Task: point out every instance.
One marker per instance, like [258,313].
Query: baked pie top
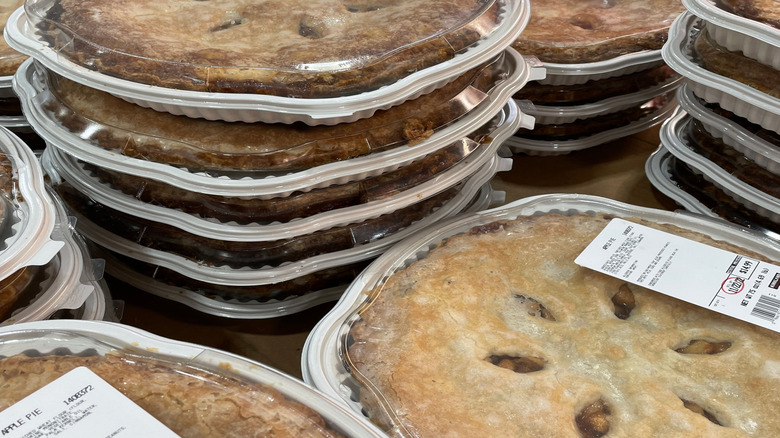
[583,31]
[735,65]
[765,11]
[296,48]
[497,332]
[112,123]
[191,402]
[10,59]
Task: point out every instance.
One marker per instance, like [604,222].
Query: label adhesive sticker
[76,405]
[723,281]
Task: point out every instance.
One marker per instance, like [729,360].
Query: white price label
[723,281]
[79,404]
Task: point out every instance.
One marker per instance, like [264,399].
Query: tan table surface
[614,170]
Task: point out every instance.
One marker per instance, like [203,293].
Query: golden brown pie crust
[735,65]
[497,332]
[254,254]
[114,124]
[10,59]
[583,31]
[14,287]
[320,48]
[191,402]
[765,11]
[595,90]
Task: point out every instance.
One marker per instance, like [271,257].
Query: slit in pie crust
[447,346]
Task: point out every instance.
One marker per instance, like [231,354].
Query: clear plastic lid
[760,145]
[344,75]
[754,193]
[259,301]
[594,91]
[299,213]
[730,93]
[659,171]
[29,215]
[248,276]
[334,361]
[183,378]
[312,49]
[586,134]
[747,27]
[576,32]
[568,113]
[689,188]
[404,187]
[65,282]
[388,151]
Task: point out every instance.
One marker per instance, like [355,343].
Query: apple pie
[192,402]
[497,332]
[584,31]
[10,59]
[734,65]
[294,48]
[114,124]
[765,11]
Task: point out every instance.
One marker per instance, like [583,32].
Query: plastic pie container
[543,147]
[730,94]
[247,276]
[277,88]
[261,184]
[678,181]
[732,130]
[673,137]
[268,301]
[551,114]
[754,39]
[66,342]
[325,361]
[29,214]
[60,166]
[657,169]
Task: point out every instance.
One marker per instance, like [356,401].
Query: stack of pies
[230,177]
[605,76]
[721,154]
[44,266]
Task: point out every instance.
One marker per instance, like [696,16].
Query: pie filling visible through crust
[497,332]
[312,48]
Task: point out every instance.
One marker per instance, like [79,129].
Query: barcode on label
[766,308]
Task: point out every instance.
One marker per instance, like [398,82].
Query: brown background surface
[614,170]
